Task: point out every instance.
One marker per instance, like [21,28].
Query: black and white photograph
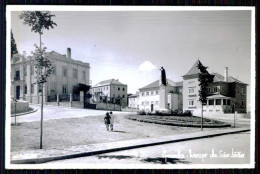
[91,87]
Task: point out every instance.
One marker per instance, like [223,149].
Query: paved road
[58,112]
[228,149]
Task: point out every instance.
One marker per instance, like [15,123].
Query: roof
[109,82]
[133,96]
[219,78]
[218,96]
[194,69]
[155,84]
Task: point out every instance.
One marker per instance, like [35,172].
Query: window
[152,102]
[228,102]
[32,70]
[147,93]
[118,88]
[242,102]
[53,86]
[32,88]
[64,89]
[243,90]
[157,92]
[224,102]
[218,101]
[107,87]
[191,90]
[118,95]
[64,72]
[156,102]
[147,103]
[53,72]
[142,93]
[25,70]
[208,89]
[216,89]
[143,103]
[83,75]
[75,73]
[211,102]
[152,92]
[17,75]
[123,89]
[25,89]
[123,96]
[39,88]
[191,102]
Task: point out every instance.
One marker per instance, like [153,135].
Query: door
[17,92]
[151,107]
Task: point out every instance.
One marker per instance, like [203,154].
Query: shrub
[141,112]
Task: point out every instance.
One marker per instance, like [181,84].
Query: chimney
[68,53]
[226,74]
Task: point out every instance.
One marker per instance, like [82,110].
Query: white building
[111,90]
[149,98]
[133,101]
[67,73]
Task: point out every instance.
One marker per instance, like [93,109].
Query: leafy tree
[204,79]
[13,45]
[38,21]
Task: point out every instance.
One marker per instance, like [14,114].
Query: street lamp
[234,108]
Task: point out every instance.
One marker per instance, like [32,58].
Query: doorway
[17,92]
[151,107]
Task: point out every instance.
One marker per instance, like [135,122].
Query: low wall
[227,115]
[129,109]
[19,106]
[108,106]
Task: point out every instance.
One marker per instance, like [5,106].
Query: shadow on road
[115,156]
[120,131]
[165,160]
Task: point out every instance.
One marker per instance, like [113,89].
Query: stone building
[225,94]
[67,73]
[110,90]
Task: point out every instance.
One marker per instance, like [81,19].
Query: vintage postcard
[98,87]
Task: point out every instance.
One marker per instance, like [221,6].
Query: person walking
[107,120]
[111,120]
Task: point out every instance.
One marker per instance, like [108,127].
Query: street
[58,112]
[226,149]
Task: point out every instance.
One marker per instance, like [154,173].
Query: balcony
[16,78]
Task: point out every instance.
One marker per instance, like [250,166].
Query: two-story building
[149,97]
[225,94]
[110,90]
[133,101]
[66,73]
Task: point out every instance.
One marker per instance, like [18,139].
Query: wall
[21,106]
[191,82]
[108,106]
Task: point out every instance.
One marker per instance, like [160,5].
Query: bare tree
[40,20]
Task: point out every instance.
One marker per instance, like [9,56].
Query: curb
[84,154]
[24,113]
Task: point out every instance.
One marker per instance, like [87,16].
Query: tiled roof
[217,96]
[220,78]
[155,84]
[109,82]
[194,69]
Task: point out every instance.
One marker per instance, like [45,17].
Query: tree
[13,45]
[40,20]
[204,79]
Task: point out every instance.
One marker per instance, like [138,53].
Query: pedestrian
[107,120]
[111,120]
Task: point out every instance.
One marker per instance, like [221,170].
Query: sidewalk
[43,155]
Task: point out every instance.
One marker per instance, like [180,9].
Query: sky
[132,45]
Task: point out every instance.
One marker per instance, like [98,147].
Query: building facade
[225,94]
[110,90]
[149,97]
[133,101]
[66,73]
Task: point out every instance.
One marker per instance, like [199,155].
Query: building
[67,73]
[149,97]
[110,90]
[225,94]
[133,101]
